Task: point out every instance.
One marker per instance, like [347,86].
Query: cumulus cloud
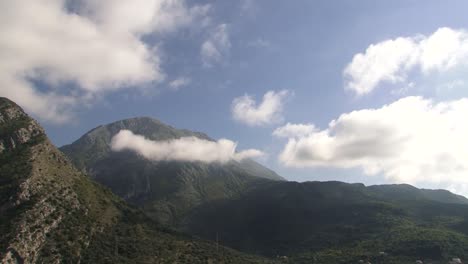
[216,46]
[142,16]
[54,56]
[244,109]
[190,149]
[412,140]
[294,130]
[392,60]
[179,82]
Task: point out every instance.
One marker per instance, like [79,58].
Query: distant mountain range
[335,222]
[53,209]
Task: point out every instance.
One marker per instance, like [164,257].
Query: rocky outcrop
[52,201]
[10,111]
[16,128]
[44,194]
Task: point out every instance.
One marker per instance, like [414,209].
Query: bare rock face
[11,112]
[44,192]
[52,201]
[16,127]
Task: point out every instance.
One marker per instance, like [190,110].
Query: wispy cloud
[179,82]
[216,46]
[245,110]
[249,8]
[190,149]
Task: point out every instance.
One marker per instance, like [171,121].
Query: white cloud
[78,55]
[412,140]
[392,60]
[216,46]
[269,111]
[142,16]
[294,130]
[179,82]
[190,149]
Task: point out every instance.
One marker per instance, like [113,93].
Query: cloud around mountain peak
[189,149]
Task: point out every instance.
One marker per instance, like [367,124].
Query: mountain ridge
[335,222]
[407,191]
[50,212]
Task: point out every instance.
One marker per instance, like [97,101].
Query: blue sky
[251,47]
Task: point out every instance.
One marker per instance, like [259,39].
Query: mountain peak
[149,127]
[164,185]
[95,144]
[52,213]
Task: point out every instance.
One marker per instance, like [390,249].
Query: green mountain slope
[313,222]
[333,222]
[52,213]
[167,191]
